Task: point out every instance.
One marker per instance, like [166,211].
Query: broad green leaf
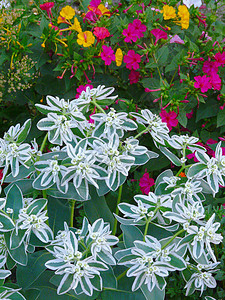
[131,234]
[14,200]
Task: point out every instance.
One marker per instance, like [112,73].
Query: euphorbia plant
[168,230]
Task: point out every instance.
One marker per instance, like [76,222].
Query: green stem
[44,142]
[182,168]
[173,76]
[117,209]
[98,106]
[148,222]
[121,275]
[172,238]
[142,132]
[72,211]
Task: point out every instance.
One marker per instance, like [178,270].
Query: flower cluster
[81,256]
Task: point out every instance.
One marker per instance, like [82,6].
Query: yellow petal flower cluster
[104,10]
[119,57]
[76,26]
[67,12]
[184,14]
[85,38]
[168,12]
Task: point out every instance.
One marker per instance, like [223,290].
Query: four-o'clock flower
[107,55]
[85,38]
[132,60]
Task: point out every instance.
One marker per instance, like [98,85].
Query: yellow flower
[168,12]
[119,57]
[85,38]
[183,13]
[67,12]
[104,10]
[61,20]
[76,26]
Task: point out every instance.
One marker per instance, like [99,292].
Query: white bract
[77,272]
[189,3]
[112,123]
[202,279]
[158,129]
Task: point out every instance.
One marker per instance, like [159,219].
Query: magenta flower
[159,34]
[95,3]
[101,33]
[176,39]
[146,183]
[132,60]
[107,55]
[82,88]
[190,114]
[210,67]
[220,58]
[134,76]
[91,16]
[129,34]
[139,28]
[47,6]
[169,117]
[215,81]
[203,83]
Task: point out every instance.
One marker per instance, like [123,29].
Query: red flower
[47,6]
[1,174]
[146,183]
[203,83]
[134,76]
[132,60]
[139,28]
[159,34]
[101,32]
[107,55]
[169,117]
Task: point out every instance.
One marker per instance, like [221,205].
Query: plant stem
[148,222]
[98,106]
[121,275]
[72,203]
[172,238]
[142,132]
[117,209]
[44,142]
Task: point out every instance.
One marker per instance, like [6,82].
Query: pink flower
[210,67]
[101,32]
[176,39]
[107,55]
[47,6]
[95,3]
[203,83]
[82,88]
[159,34]
[220,58]
[215,81]
[1,174]
[90,16]
[90,119]
[132,60]
[139,28]
[129,34]
[134,76]
[169,117]
[146,183]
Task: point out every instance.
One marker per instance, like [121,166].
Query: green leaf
[131,234]
[26,275]
[162,55]
[172,157]
[221,118]
[25,186]
[19,254]
[97,208]
[155,294]
[14,200]
[24,131]
[58,213]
